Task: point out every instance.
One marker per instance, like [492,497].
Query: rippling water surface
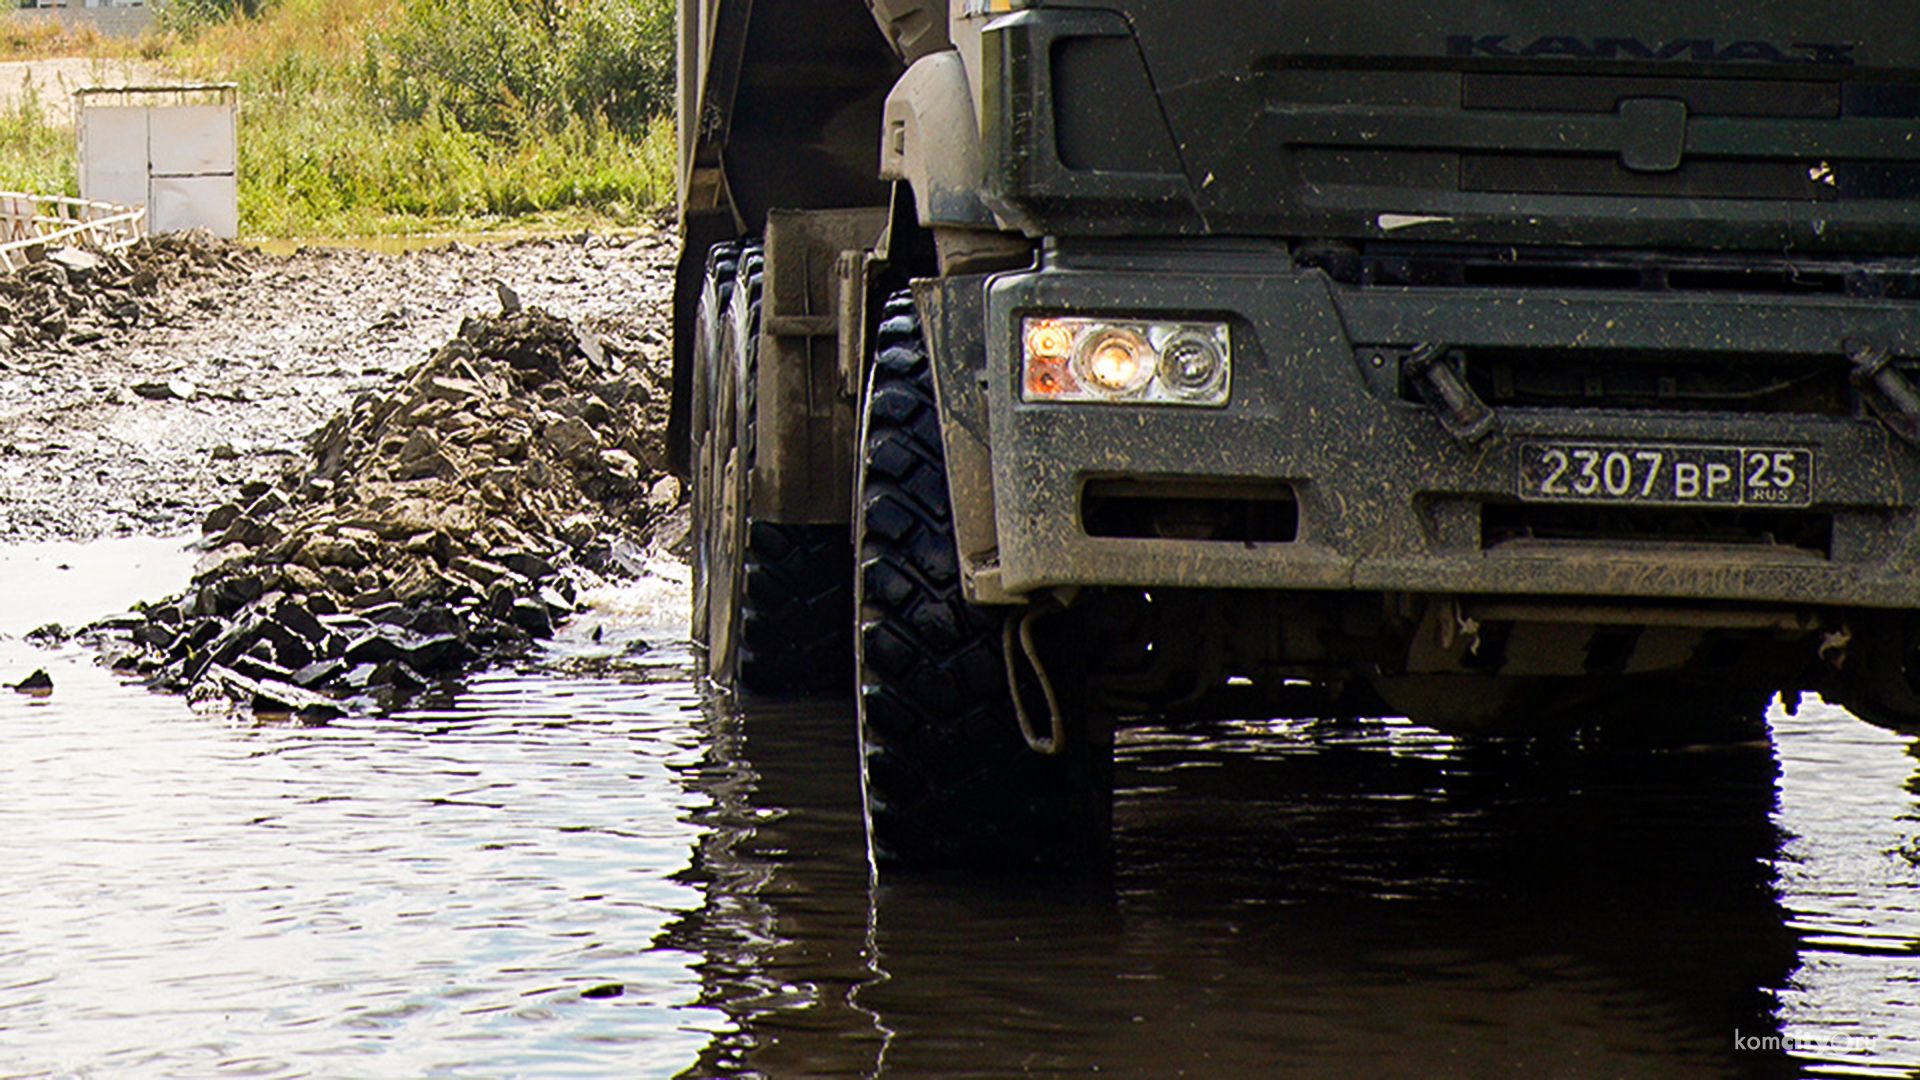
[579,868]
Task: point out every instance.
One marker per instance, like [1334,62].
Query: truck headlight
[1125,362]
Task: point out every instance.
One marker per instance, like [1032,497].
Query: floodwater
[582,868]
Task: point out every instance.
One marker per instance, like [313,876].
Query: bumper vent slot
[1516,524]
[1243,512]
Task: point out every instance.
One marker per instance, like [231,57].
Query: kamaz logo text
[1626,48]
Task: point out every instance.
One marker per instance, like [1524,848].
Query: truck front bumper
[1381,497]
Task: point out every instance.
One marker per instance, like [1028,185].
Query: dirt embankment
[440,515]
[51,81]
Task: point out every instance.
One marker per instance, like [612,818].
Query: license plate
[1758,476]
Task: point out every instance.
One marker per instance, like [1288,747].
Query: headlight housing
[1124,361]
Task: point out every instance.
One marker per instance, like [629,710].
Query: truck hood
[1753,125]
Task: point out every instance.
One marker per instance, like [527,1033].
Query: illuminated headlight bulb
[1192,365]
[1117,360]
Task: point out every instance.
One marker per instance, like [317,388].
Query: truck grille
[1520,174]
[1739,176]
[1560,378]
[1557,134]
[1638,368]
[1474,266]
[1779,98]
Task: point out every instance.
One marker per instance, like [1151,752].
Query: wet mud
[139,420]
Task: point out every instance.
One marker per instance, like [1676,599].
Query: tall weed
[36,156]
[36,38]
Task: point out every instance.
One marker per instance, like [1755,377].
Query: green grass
[36,155]
[327,167]
[380,117]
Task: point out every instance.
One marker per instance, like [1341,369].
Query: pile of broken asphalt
[435,526]
[76,297]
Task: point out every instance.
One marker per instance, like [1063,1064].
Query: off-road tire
[796,609]
[772,601]
[948,779]
[723,262]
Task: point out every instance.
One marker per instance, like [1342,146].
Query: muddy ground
[223,372]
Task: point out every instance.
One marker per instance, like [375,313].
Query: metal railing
[30,222]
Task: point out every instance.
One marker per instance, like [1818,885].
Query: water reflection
[784,928]
[437,892]
[584,867]
[63,580]
[1849,873]
[1364,900]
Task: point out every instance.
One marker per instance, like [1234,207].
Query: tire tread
[949,779]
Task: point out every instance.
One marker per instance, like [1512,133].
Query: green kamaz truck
[1510,367]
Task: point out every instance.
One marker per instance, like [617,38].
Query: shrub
[362,116]
[505,68]
[190,16]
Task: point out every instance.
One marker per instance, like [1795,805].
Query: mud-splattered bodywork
[1566,343]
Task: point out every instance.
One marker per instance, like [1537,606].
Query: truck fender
[915,28]
[930,138]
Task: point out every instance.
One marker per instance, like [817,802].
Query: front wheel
[948,779]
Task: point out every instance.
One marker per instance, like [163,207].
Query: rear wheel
[948,778]
[795,609]
[772,600]
[710,432]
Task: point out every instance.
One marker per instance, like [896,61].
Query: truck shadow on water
[1361,899]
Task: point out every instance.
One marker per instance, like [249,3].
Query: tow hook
[1017,642]
[1459,409]
[1891,395]
[1833,646]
